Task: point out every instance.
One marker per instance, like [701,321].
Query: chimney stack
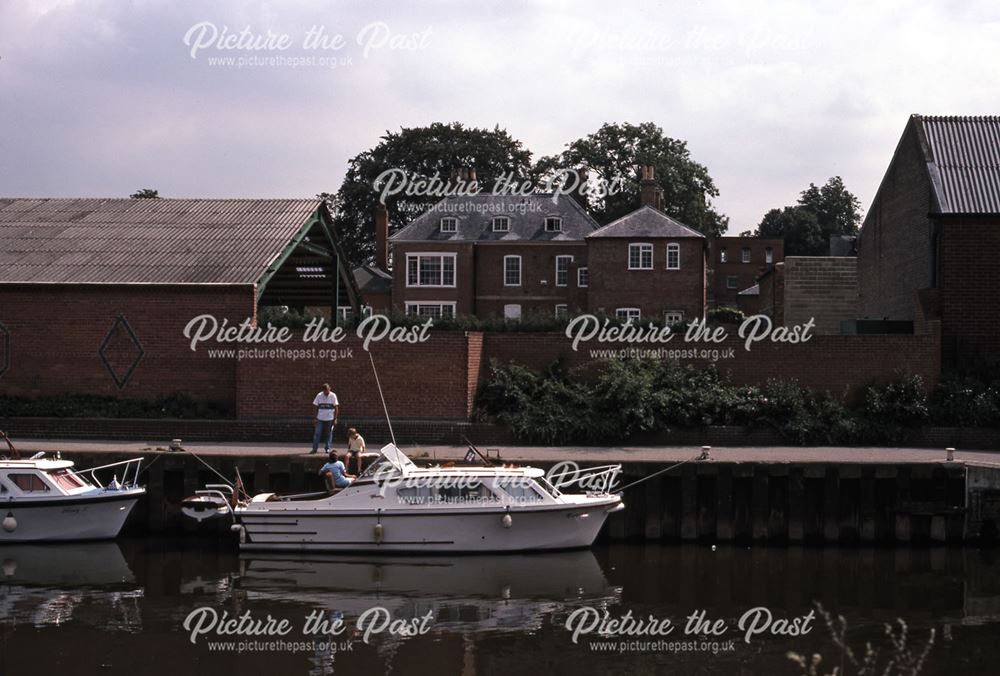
[650,194]
[382,237]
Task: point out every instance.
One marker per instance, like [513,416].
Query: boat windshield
[390,456]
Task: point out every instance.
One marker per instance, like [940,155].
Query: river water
[121,608]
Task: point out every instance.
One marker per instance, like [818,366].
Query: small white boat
[396,506]
[43,499]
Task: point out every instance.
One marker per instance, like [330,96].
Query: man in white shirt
[327,411]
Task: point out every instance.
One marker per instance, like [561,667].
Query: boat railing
[130,474]
[600,479]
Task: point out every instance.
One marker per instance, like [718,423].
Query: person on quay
[327,410]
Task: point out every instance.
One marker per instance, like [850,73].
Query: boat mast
[382,397]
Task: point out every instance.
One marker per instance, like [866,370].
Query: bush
[726,315]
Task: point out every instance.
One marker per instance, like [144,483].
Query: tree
[437,150]
[834,211]
[145,194]
[616,152]
[797,226]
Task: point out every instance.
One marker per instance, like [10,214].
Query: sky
[100,98]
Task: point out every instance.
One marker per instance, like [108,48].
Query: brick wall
[423,380]
[538,291]
[823,288]
[895,244]
[970,279]
[838,364]
[613,285]
[745,274]
[56,333]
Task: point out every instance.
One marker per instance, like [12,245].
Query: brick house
[734,266]
[646,265]
[930,242]
[490,255]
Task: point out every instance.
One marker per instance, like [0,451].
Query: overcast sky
[100,98]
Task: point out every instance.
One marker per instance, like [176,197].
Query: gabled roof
[152,241]
[371,279]
[646,222]
[475,214]
[963,160]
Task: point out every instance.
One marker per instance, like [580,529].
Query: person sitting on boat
[335,473]
[355,447]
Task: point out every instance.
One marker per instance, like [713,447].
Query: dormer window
[553,224]
[501,224]
[449,224]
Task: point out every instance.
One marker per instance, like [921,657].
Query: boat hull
[551,528]
[99,517]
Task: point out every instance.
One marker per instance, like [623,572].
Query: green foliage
[726,315]
[145,194]
[435,150]
[822,211]
[96,406]
[617,151]
[629,397]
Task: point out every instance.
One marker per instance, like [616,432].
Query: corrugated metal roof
[646,222]
[475,214]
[964,161]
[152,241]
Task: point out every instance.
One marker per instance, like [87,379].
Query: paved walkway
[590,454]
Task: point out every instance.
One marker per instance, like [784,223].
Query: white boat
[44,500]
[396,506]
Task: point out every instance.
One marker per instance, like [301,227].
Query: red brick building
[930,242]
[734,266]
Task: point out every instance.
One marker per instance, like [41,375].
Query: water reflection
[83,608]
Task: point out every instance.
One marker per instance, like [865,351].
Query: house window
[745,254]
[553,224]
[671,317]
[449,224]
[344,311]
[430,270]
[435,309]
[723,256]
[501,224]
[673,256]
[28,483]
[732,282]
[628,314]
[512,311]
[640,256]
[769,255]
[562,310]
[512,271]
[582,277]
[562,270]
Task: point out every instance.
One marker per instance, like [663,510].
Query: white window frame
[643,247]
[674,247]
[450,219]
[562,310]
[413,307]
[678,313]
[723,255]
[558,223]
[344,311]
[512,257]
[735,282]
[768,255]
[497,219]
[628,311]
[569,261]
[432,254]
[583,272]
[745,255]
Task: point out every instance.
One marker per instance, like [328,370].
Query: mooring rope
[657,473]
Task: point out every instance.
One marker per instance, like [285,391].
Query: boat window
[66,479]
[416,495]
[520,490]
[469,492]
[29,483]
[3,489]
[547,487]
